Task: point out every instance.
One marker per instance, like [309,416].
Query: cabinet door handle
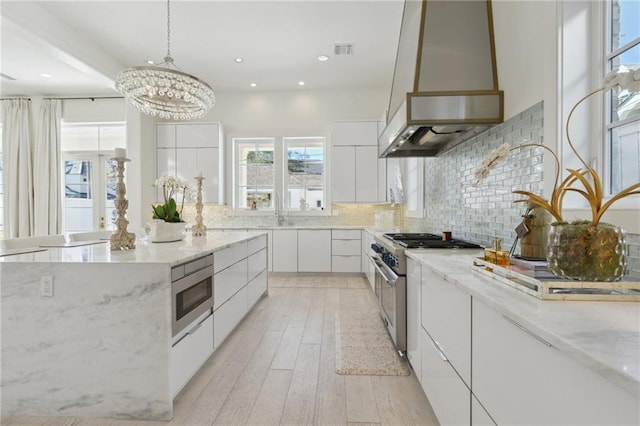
[438,349]
[529,332]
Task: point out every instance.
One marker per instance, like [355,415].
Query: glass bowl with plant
[586,250]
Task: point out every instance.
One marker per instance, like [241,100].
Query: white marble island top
[602,336]
[145,252]
[100,345]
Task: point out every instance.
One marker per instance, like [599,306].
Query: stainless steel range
[391,272]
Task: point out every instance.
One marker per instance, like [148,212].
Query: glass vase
[584,252]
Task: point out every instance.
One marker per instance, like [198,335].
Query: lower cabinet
[346,250]
[414,281]
[521,379]
[314,250]
[285,250]
[447,393]
[227,316]
[190,353]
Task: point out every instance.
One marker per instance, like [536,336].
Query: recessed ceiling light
[45,75]
[323,58]
[301,83]
[238,60]
[150,62]
[253,85]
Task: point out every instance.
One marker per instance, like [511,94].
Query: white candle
[121,153]
[200,174]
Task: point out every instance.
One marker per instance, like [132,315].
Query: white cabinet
[285,250]
[521,379]
[448,395]
[314,250]
[479,416]
[184,149]
[355,164]
[446,316]
[346,249]
[367,264]
[240,279]
[354,133]
[188,354]
[414,191]
[414,276]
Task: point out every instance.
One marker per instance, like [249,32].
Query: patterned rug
[363,346]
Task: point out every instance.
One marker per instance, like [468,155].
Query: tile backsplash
[483,212]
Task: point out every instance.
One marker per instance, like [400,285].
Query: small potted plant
[581,250]
[167,224]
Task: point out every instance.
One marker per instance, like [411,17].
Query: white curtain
[46,172]
[18,168]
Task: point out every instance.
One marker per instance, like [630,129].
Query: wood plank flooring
[278,368]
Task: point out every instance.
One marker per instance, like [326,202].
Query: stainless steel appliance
[191,292]
[391,276]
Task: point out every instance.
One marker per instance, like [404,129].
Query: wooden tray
[560,289]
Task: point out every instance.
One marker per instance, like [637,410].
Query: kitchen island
[101,346]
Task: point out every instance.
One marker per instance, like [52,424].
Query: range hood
[445,83]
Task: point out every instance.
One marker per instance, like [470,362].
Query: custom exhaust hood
[445,83]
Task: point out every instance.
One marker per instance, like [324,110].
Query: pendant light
[164,90]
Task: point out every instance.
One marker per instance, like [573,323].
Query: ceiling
[83,44]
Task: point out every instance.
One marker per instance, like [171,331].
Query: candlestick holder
[121,239]
[199,230]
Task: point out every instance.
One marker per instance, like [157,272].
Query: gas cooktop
[423,240]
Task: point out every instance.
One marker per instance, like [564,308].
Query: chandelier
[166,92]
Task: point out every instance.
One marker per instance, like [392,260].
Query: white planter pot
[164,232]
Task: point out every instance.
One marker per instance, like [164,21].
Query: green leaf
[158,211]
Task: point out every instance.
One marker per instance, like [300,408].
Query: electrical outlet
[46,286]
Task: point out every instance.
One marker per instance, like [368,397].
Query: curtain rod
[92,98]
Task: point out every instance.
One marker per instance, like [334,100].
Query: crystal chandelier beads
[165,92]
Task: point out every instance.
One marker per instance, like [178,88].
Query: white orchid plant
[171,188]
[590,185]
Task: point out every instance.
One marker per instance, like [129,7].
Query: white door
[89,183]
[314,250]
[285,250]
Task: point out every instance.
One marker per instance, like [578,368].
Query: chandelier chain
[168,30]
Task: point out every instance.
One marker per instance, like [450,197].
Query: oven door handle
[389,276]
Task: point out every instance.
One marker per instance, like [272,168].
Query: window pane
[255,173]
[625,104]
[305,173]
[625,156]
[625,16]
[78,203]
[111,181]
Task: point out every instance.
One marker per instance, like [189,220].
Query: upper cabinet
[185,149]
[355,166]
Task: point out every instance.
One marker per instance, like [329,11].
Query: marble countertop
[275,227]
[145,252]
[602,336]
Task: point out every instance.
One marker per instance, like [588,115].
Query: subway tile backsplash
[483,212]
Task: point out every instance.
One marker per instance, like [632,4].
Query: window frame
[280,166]
[285,173]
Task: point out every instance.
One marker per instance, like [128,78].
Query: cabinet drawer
[256,288]
[515,374]
[226,257]
[228,282]
[257,244]
[345,247]
[447,393]
[228,316]
[446,315]
[196,265]
[188,355]
[257,263]
[345,263]
[345,234]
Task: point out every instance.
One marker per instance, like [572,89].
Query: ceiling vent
[6,77]
[343,49]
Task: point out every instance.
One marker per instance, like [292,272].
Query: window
[623,119]
[90,176]
[305,173]
[266,168]
[255,173]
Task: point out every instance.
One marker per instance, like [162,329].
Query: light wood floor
[278,367]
